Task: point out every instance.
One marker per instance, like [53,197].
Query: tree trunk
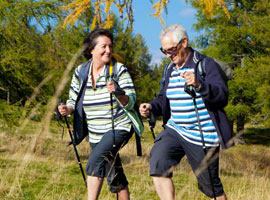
[240,125]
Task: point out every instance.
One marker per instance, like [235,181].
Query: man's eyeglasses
[171,50]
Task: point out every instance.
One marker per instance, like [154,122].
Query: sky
[149,27]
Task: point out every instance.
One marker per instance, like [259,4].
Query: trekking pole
[113,133]
[190,90]
[152,122]
[75,149]
[73,143]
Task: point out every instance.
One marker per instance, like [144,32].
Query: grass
[48,169]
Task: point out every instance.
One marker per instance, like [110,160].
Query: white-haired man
[186,133]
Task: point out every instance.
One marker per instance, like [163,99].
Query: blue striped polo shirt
[183,116]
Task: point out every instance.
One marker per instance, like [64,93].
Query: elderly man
[187,132]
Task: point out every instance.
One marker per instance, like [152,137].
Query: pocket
[159,136]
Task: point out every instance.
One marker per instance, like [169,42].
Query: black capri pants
[170,148]
[104,160]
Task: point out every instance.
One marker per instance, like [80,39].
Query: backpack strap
[219,65]
[166,69]
[80,130]
[83,72]
[201,67]
[164,75]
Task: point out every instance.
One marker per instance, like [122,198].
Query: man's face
[175,51]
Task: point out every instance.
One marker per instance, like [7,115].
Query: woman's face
[102,52]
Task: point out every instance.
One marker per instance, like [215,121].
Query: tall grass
[51,172]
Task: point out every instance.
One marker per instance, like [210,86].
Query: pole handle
[151,121]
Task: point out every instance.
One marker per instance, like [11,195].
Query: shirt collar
[102,73]
[192,59]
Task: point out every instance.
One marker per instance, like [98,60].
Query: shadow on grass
[259,136]
[224,172]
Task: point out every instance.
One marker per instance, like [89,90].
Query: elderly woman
[93,98]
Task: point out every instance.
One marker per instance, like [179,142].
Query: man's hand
[145,109]
[190,79]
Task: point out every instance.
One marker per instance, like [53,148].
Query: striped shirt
[96,102]
[183,116]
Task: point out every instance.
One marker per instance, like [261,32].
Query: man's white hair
[177,30]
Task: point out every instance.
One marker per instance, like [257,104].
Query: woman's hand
[110,86]
[65,110]
[121,97]
[145,109]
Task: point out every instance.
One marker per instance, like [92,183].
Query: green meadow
[42,166]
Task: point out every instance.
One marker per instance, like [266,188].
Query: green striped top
[96,102]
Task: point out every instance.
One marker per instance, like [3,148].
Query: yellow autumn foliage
[210,5]
[77,7]
[108,6]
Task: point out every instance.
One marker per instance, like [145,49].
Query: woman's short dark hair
[91,40]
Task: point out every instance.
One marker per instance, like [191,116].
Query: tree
[35,50]
[34,46]
[243,42]
[103,15]
[20,50]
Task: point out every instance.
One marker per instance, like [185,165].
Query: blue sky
[149,27]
